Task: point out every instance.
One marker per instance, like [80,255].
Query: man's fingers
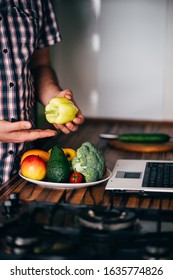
[39,133]
[30,135]
[63,128]
[66,93]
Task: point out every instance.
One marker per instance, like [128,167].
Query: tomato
[76,177]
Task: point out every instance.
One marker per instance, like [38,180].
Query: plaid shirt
[25,25]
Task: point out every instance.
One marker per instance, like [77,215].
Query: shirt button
[13,120]
[5,51]
[11,152]
[11,84]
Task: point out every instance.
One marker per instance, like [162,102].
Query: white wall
[117,56]
[168,89]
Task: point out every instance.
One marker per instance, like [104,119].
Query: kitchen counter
[96,195]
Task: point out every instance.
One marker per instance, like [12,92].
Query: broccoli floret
[90,162]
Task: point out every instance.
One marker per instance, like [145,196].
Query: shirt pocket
[25,24]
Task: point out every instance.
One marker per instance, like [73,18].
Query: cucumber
[144,137]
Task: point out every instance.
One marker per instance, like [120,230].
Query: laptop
[142,175]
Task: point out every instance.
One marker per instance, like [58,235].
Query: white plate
[68,185]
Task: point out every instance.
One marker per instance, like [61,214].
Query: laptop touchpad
[128,175]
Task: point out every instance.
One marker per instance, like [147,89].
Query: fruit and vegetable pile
[64,165]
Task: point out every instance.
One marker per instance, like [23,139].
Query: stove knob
[8,207]
[156,252]
[14,197]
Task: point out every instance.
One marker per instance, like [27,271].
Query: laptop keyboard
[158,174]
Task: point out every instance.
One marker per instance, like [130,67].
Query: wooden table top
[96,195]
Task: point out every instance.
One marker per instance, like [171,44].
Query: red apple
[33,167]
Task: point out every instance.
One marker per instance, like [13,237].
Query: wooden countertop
[96,195]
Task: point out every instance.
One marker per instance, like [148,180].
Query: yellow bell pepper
[70,153]
[60,110]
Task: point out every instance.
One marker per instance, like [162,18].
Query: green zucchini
[144,137]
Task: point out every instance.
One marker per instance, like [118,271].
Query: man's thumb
[21,125]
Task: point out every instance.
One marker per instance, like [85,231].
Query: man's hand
[79,119]
[47,86]
[18,132]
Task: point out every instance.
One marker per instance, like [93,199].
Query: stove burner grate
[107,220]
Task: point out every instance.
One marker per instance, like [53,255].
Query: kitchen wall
[117,56]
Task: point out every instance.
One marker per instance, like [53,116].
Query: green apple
[60,110]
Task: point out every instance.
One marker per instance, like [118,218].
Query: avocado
[58,167]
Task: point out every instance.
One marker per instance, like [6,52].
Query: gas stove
[68,231]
